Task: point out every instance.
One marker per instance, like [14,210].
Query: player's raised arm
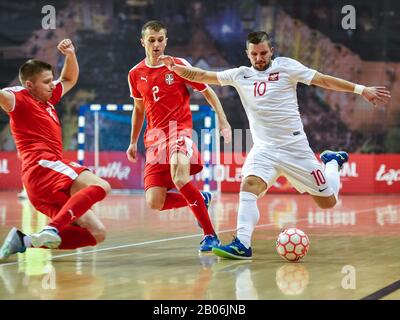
[374,95]
[6,100]
[70,72]
[137,124]
[190,73]
[223,124]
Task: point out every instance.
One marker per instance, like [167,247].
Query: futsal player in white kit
[268,93]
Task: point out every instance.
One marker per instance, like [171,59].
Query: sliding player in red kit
[59,188]
[171,155]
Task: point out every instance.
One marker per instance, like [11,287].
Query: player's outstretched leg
[248,216]
[340,156]
[334,161]
[251,188]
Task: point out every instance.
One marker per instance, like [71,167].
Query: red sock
[73,237]
[196,204]
[174,200]
[77,205]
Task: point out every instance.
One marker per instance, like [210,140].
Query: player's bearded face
[42,85]
[260,55]
[154,43]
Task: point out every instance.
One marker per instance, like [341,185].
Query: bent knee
[155,203]
[253,184]
[180,181]
[106,186]
[327,203]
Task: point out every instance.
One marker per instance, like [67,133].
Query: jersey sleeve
[18,96]
[134,92]
[195,85]
[227,77]
[57,93]
[299,72]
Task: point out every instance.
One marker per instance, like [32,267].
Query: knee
[180,180]
[99,234]
[106,186]
[155,203]
[254,185]
[328,203]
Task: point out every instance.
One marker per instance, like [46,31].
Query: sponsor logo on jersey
[180,141]
[169,79]
[273,76]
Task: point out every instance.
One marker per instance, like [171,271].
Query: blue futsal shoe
[12,244]
[234,250]
[340,156]
[208,243]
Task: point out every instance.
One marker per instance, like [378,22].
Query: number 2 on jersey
[260,88]
[155,89]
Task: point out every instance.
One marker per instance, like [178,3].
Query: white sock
[248,216]
[333,176]
[50,228]
[27,241]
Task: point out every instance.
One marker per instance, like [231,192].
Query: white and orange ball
[292,244]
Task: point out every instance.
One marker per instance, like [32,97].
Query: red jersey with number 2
[166,100]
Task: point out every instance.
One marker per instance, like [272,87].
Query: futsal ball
[292,244]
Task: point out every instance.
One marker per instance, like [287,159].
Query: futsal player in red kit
[171,155]
[59,188]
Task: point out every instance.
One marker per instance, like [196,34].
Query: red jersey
[35,126]
[165,97]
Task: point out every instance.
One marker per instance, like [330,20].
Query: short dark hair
[153,25]
[31,68]
[256,37]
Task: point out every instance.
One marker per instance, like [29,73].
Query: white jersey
[270,99]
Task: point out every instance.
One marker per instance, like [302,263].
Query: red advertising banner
[363,174]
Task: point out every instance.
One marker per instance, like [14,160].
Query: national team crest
[169,78]
[273,76]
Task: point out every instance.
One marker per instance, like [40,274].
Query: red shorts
[48,184]
[157,172]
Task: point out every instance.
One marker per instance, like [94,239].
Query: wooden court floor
[354,253]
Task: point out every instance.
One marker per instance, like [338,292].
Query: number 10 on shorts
[319,177]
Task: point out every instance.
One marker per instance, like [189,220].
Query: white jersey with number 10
[270,99]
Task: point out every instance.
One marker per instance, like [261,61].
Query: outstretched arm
[223,124]
[373,95]
[6,100]
[137,124]
[70,72]
[190,73]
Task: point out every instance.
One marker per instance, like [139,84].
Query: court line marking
[379,294]
[161,240]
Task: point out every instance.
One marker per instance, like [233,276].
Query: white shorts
[297,163]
